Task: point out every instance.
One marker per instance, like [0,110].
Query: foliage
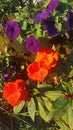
[50,103]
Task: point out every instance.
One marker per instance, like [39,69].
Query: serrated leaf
[32,108]
[43,111]
[19,107]
[59,103]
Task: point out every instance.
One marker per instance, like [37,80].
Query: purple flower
[52,6]
[46,14]
[41,16]
[6,75]
[49,25]
[32,44]
[70,19]
[13,68]
[12,29]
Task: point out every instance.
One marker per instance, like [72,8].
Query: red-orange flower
[15,92]
[47,57]
[36,72]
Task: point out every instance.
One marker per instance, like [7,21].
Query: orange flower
[47,57]
[36,72]
[15,92]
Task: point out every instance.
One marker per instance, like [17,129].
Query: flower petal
[70,19]
[32,44]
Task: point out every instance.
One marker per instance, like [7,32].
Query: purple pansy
[12,29]
[32,44]
[46,14]
[50,27]
[70,19]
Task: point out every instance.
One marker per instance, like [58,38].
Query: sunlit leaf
[53,94]
[19,39]
[59,26]
[43,111]
[62,125]
[70,115]
[19,107]
[24,25]
[46,2]
[47,103]
[32,108]
[35,91]
[64,118]
[53,47]
[67,87]
[38,30]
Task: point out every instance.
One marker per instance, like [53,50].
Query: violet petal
[12,29]
[70,19]
[50,27]
[32,44]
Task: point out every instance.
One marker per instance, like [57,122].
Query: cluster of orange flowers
[15,92]
[45,60]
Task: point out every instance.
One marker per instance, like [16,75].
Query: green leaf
[46,2]
[53,47]
[47,103]
[59,103]
[64,117]
[43,111]
[35,91]
[38,29]
[24,25]
[70,116]
[53,95]
[67,87]
[19,39]
[58,113]
[31,108]
[17,17]
[71,4]
[44,85]
[62,125]
[65,1]
[19,107]
[59,26]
